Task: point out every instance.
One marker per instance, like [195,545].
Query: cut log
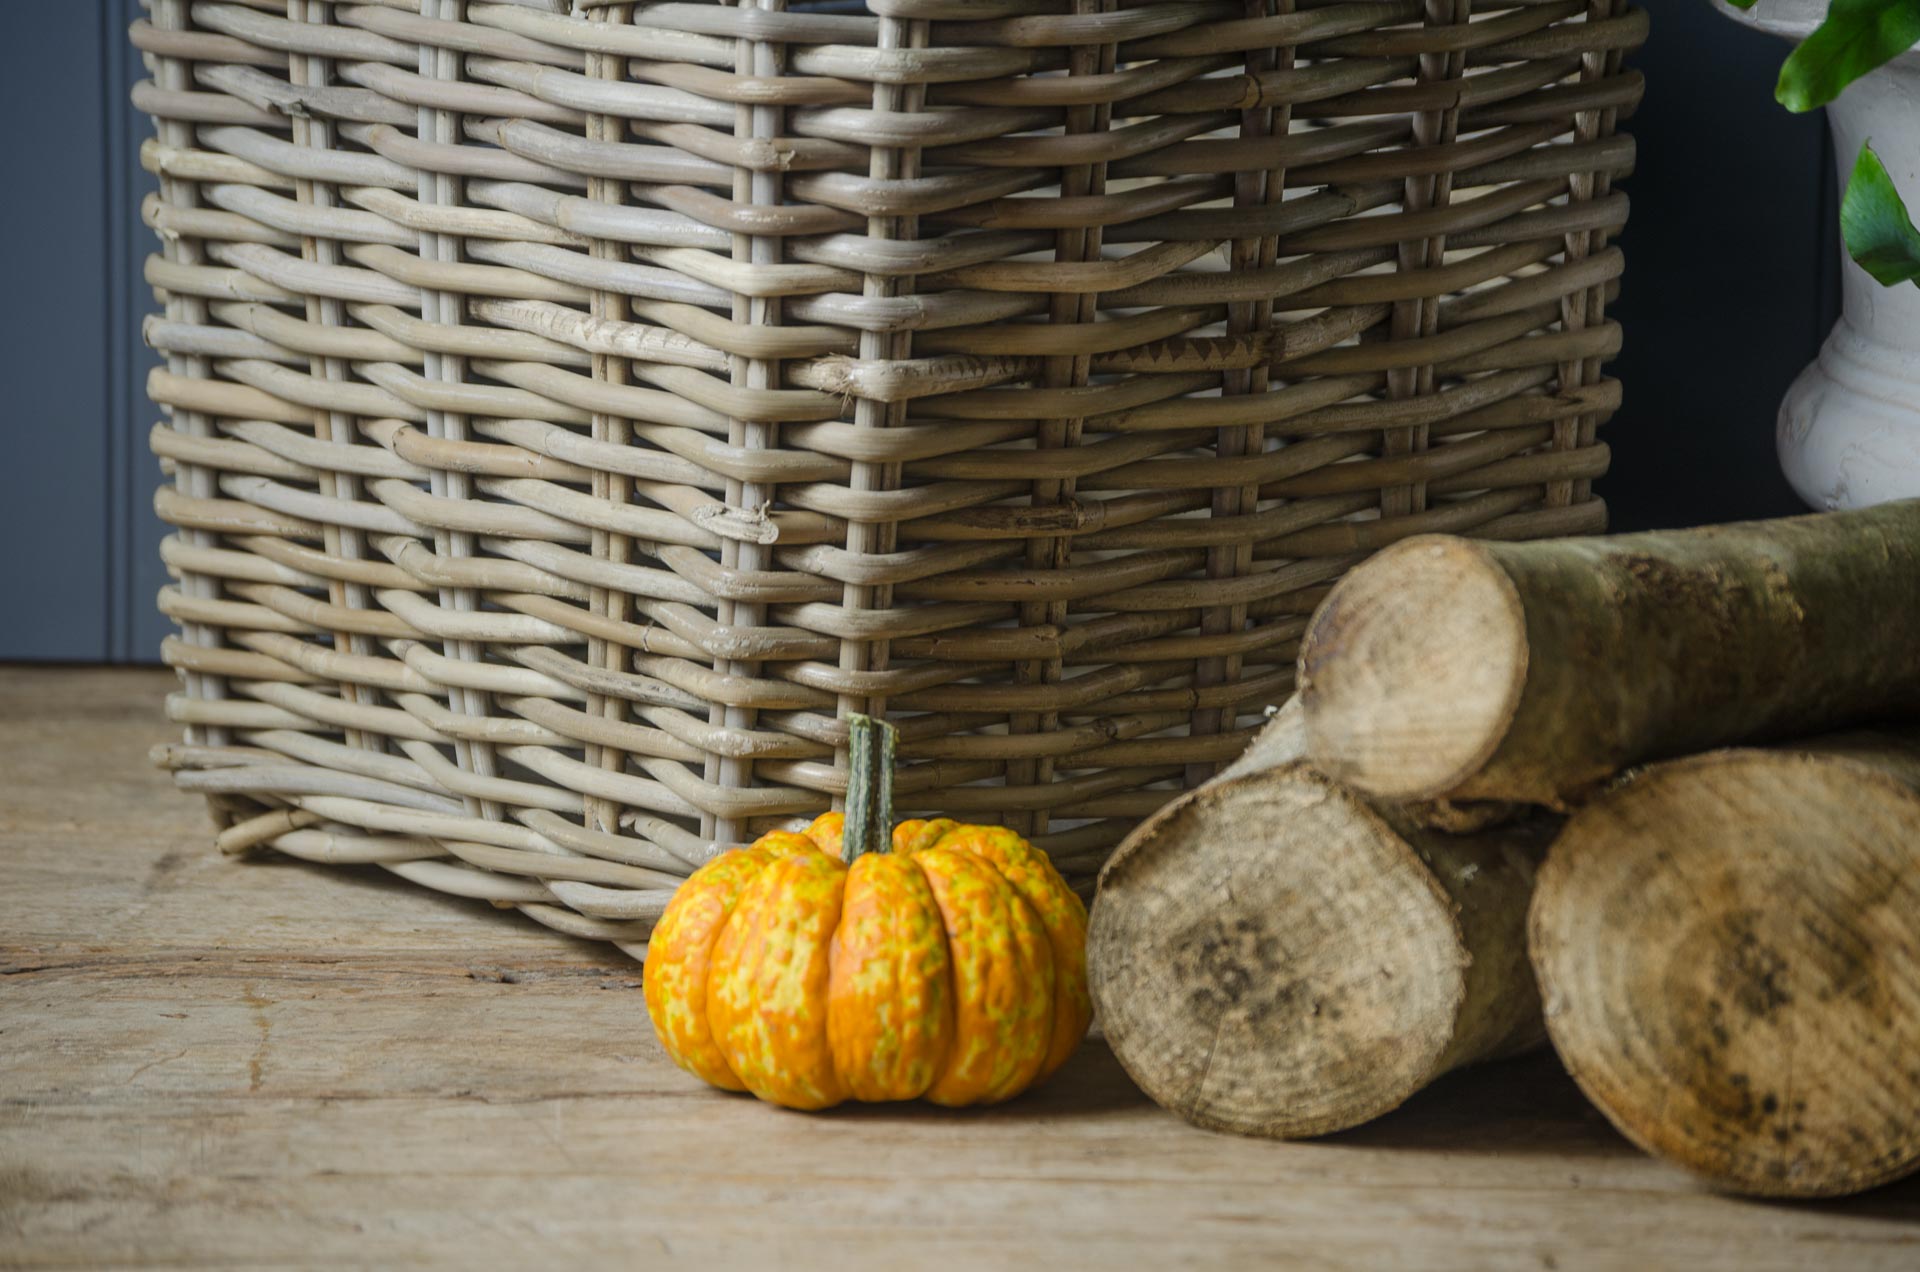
[1448,667]
[1729,947]
[1274,955]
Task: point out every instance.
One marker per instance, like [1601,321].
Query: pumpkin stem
[870,749]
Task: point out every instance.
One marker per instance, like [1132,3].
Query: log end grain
[1267,984]
[1411,719]
[1729,949]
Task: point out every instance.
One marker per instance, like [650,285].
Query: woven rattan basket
[573,414]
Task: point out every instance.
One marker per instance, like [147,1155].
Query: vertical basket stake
[871,745]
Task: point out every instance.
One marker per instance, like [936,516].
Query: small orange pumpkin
[951,968]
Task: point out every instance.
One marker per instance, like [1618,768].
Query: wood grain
[216,1063]
[1273,954]
[1445,668]
[1728,952]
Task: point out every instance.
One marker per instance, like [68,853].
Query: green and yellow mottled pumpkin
[818,966]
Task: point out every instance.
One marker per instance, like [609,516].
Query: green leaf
[1857,36]
[1742,4]
[1879,233]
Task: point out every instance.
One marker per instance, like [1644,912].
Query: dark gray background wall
[1730,287]
[1733,274]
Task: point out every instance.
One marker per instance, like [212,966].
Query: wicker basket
[573,415]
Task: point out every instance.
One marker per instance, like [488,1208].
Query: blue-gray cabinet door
[79,544]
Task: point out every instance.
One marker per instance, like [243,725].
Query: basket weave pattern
[574,413]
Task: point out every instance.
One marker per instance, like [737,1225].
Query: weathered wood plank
[210,1063]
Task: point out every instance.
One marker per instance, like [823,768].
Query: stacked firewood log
[1588,790]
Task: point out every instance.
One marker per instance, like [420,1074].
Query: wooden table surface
[214,1063]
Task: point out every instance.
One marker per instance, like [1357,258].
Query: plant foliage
[1858,36]
[1879,233]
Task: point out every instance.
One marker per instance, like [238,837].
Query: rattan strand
[572,414]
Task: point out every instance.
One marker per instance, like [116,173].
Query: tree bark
[1463,669]
[1729,947]
[1274,955]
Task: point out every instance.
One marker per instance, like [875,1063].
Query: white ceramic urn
[1849,428]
